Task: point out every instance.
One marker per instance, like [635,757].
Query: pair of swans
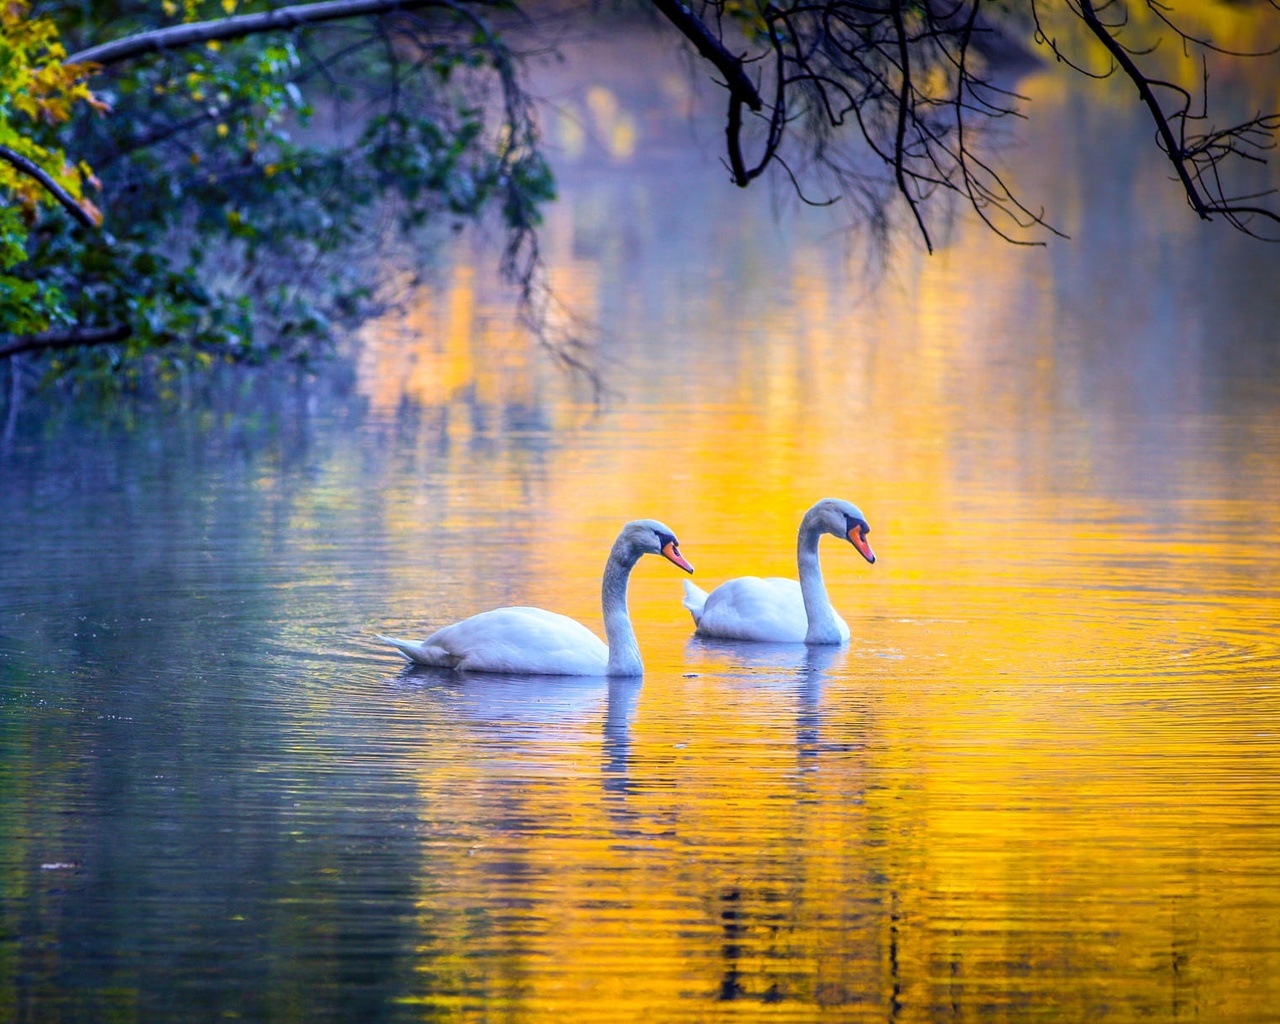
[536,642]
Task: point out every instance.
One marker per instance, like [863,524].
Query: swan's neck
[823,623]
[624,652]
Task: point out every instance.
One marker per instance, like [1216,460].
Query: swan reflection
[801,669]
[786,659]
[489,698]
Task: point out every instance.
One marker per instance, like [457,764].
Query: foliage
[247,182]
[38,90]
[38,93]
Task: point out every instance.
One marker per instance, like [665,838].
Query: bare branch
[904,104]
[1192,158]
[696,31]
[1148,96]
[1159,9]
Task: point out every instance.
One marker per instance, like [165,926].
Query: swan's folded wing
[751,608]
[524,640]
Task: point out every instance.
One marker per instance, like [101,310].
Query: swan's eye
[851,524]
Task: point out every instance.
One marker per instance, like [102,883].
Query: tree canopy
[235,226]
[170,200]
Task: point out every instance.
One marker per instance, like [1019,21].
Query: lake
[1039,783]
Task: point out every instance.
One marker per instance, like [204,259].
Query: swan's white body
[777,610]
[768,610]
[535,642]
[512,640]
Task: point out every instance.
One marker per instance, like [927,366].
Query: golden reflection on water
[1041,781]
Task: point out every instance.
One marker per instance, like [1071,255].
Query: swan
[777,610]
[536,642]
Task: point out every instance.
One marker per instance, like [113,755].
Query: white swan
[777,610]
[536,642]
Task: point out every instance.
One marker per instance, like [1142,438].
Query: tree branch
[177,37]
[712,49]
[33,170]
[76,337]
[905,106]
[1171,147]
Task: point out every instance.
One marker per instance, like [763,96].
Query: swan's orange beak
[859,540]
[672,554]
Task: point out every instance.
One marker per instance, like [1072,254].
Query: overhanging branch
[1172,148]
[33,170]
[741,88]
[76,337]
[696,31]
[905,106]
[176,37]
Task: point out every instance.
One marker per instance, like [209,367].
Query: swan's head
[841,519]
[650,537]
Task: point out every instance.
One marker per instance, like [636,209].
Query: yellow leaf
[223,131]
[94,213]
[86,172]
[229,5]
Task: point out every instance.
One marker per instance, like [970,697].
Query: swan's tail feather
[417,654]
[695,598]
